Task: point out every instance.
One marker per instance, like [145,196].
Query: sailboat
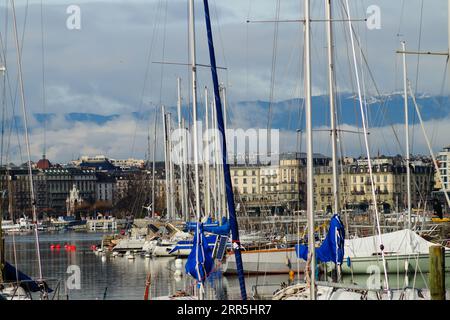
[200,260]
[390,252]
[14,284]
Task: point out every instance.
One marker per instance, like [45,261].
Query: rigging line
[147,68]
[436,166]
[27,142]
[4,84]
[273,69]
[352,81]
[163,54]
[369,161]
[44,100]
[383,99]
[417,75]
[246,48]
[13,123]
[439,101]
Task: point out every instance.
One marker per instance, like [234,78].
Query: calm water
[125,279]
[121,278]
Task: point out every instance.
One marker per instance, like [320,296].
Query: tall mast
[309,153]
[226,168]
[166,162]
[171,169]
[194,105]
[222,179]
[407,155]
[331,88]
[206,155]
[218,172]
[27,141]
[153,164]
[185,172]
[182,151]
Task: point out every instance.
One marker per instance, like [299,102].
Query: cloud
[100,69]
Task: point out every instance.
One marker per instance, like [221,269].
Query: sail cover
[332,249]
[212,227]
[398,242]
[200,262]
[11,274]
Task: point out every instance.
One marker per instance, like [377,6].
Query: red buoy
[52,247]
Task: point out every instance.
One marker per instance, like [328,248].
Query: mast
[171,168]
[407,155]
[207,154]
[194,105]
[224,211]
[185,173]
[27,141]
[331,88]
[181,156]
[218,172]
[226,168]
[309,154]
[166,163]
[195,133]
[153,164]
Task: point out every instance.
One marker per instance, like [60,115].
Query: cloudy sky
[107,67]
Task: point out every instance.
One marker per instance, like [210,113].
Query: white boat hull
[270,261]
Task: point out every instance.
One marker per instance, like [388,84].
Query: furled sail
[200,262]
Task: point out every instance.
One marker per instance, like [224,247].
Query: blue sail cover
[212,227]
[200,262]
[11,274]
[188,244]
[332,249]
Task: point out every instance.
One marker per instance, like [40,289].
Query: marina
[229,200]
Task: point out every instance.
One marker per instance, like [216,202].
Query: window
[245,189]
[235,181]
[253,180]
[244,180]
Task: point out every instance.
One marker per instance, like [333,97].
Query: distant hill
[287,114]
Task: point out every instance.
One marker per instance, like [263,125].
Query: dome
[43,164]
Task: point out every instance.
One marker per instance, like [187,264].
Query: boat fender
[349,263]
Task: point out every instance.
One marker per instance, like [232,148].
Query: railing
[21,290]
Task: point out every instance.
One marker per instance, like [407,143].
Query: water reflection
[121,278]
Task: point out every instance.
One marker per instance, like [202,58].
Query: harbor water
[85,275]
